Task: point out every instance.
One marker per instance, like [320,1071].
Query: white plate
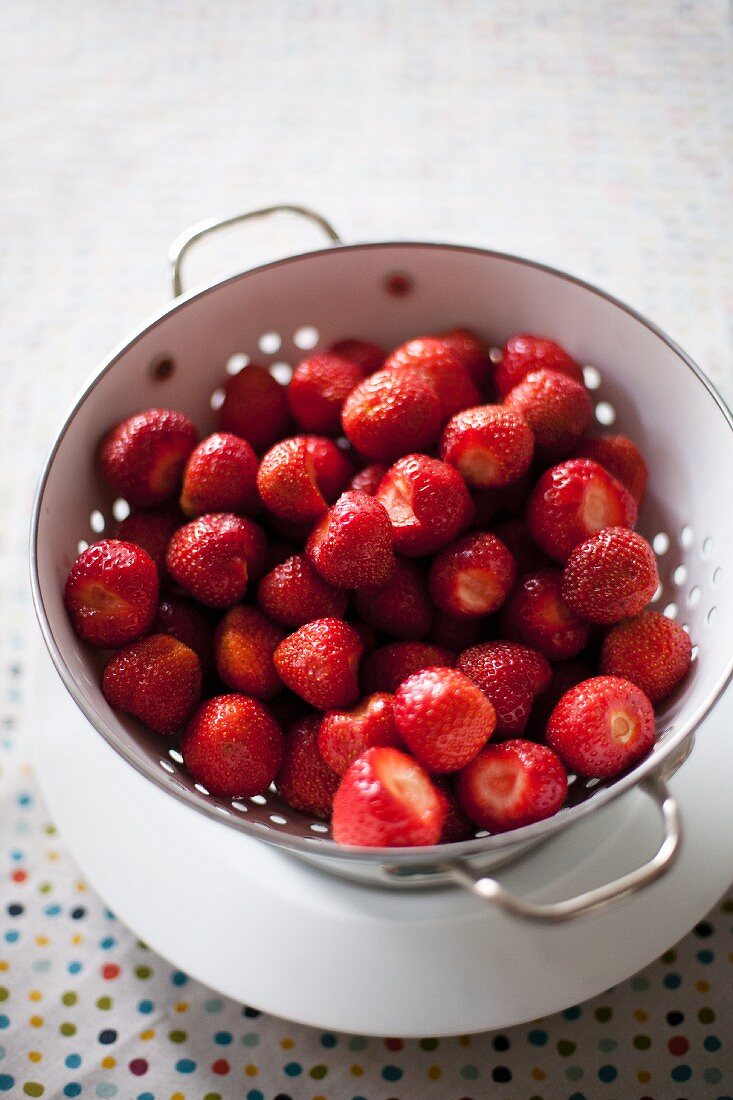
[264,928]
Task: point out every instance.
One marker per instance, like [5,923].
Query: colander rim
[428,856]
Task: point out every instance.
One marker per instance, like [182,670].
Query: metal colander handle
[194,233]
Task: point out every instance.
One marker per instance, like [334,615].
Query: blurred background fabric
[597,137]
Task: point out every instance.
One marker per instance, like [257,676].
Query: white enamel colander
[640,381]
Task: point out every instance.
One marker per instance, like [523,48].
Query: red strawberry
[565,675]
[287,708]
[111,593]
[493,503]
[386,799]
[574,500]
[456,826]
[367,356]
[254,408]
[190,624]
[142,458]
[621,458]
[213,557]
[299,477]
[456,634]
[474,354]
[472,577]
[221,476]
[233,746]
[369,636]
[400,607]
[344,735]
[557,409]
[320,662]
[245,644]
[611,576]
[602,726]
[352,545]
[515,535]
[367,480]
[158,679]
[305,780]
[537,615]
[152,531]
[318,389]
[427,502]
[513,784]
[491,446]
[443,718]
[651,651]
[387,667]
[294,594]
[511,676]
[524,354]
[389,413]
[440,364]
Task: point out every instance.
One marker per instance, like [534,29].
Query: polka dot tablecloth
[595,137]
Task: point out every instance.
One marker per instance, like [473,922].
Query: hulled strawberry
[214,556]
[158,679]
[490,445]
[233,746]
[221,476]
[513,784]
[402,606]
[523,354]
[305,781]
[390,413]
[142,458]
[443,718]
[189,623]
[245,644]
[651,651]
[299,477]
[352,545]
[611,576]
[344,735]
[111,593]
[511,676]
[427,502]
[320,662]
[254,408]
[620,457]
[537,615]
[367,480]
[472,577]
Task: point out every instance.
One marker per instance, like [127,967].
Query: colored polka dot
[705,957]
[643,1076]
[67,1029]
[6,1082]
[573,1073]
[15,910]
[4,1021]
[33,1088]
[4,993]
[328,1039]
[318,1072]
[672,981]
[706,1016]
[36,1021]
[148,1034]
[178,1036]
[213,1096]
[78,913]
[143,972]
[501,1074]
[214,1005]
[69,998]
[107,943]
[357,1042]
[221,1067]
[138,1066]
[72,1061]
[607,1045]
[145,1096]
[250,1039]
[107,1036]
[603,1014]
[35,995]
[105,1090]
[469,1073]
[669,956]
[565,1048]
[223,1038]
[110,971]
[251,1070]
[146,1007]
[711,1043]
[108,1063]
[713,1075]
[704,929]
[74,967]
[185,1065]
[255,1094]
[428,1044]
[35,1056]
[681,1073]
[642,1042]
[357,1070]
[393,1073]
[537,1037]
[177,977]
[12,936]
[52,910]
[434,1073]
[674,1019]
[104,1003]
[538,1074]
[182,1006]
[293,1069]
[72,1089]
[607,1074]
[702,986]
[678,1045]
[393,1044]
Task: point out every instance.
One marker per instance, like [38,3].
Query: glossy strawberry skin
[305,781]
[537,615]
[294,593]
[573,500]
[189,623]
[142,458]
[427,502]
[255,408]
[319,386]
[152,531]
[557,410]
[368,479]
[369,357]
[515,535]
[602,726]
[457,825]
[523,354]
[214,557]
[472,577]
[402,606]
[387,667]
[440,364]
[474,354]
[456,635]
[620,457]
[233,746]
[386,799]
[320,662]
[443,718]
[221,476]
[111,593]
[390,413]
[299,477]
[511,785]
[491,446]
[351,546]
[245,644]
[158,679]
[611,576]
[511,676]
[651,651]
[345,735]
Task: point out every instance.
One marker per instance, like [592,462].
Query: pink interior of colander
[642,386]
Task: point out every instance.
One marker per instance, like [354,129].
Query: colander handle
[181,245]
[592,900]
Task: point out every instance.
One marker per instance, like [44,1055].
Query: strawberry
[369,636]
[142,458]
[524,354]
[620,457]
[509,501]
[352,545]
[293,594]
[305,780]
[457,826]
[401,607]
[389,413]
[515,535]
[491,446]
[440,364]
[565,675]
[574,500]
[611,576]
[472,577]
[245,644]
[557,409]
[367,479]
[651,651]
[344,735]
[602,726]
[386,799]
[233,746]
[254,408]
[221,476]
[299,477]
[511,676]
[513,784]
[427,503]
[443,718]
[456,634]
[190,624]
[369,357]
[387,667]
[152,531]
[537,615]
[474,354]
[318,389]
[320,662]
[158,679]
[213,557]
[111,593]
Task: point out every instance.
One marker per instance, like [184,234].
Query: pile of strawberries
[406,588]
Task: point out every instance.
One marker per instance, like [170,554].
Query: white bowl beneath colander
[642,383]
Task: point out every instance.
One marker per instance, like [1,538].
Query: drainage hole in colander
[222,810]
[167,766]
[269,342]
[240,806]
[482,832]
[175,755]
[686,536]
[259,799]
[120,509]
[707,547]
[657,593]
[496,356]
[281,372]
[317,827]
[161,368]
[398,285]
[217,399]
[237,363]
[97,522]
[200,787]
[660,542]
[605,413]
[592,378]
[694,652]
[671,610]
[711,614]
[686,628]
[306,337]
[680,575]
[276,819]
[81,546]
[717,575]
[694,597]
[591,783]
